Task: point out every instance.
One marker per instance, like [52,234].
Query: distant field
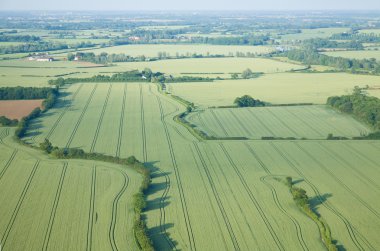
[152,50]
[17,109]
[311,122]
[49,204]
[369,31]
[275,88]
[233,182]
[31,73]
[314,33]
[213,66]
[355,54]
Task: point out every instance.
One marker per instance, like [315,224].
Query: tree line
[19,38]
[19,93]
[42,47]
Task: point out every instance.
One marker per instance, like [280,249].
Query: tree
[247,73]
[234,75]
[46,146]
[248,101]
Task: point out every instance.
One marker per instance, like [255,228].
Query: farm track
[111,232]
[219,123]
[81,117]
[54,208]
[121,123]
[350,229]
[340,182]
[253,199]
[304,122]
[56,123]
[91,211]
[143,132]
[240,123]
[9,162]
[261,123]
[338,158]
[100,120]
[282,122]
[19,203]
[217,198]
[279,206]
[179,181]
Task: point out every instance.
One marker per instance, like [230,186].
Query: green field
[313,33]
[52,204]
[275,88]
[152,50]
[311,122]
[355,54]
[234,183]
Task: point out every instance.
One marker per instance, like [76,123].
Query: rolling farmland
[289,88]
[63,204]
[311,122]
[235,183]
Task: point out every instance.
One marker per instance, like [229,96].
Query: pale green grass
[311,122]
[355,54]
[152,50]
[370,31]
[62,204]
[275,88]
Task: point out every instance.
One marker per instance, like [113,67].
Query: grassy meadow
[355,54]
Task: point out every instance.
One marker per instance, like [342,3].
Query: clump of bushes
[302,201]
[248,101]
[4,121]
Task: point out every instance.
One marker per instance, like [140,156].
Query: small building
[45,59]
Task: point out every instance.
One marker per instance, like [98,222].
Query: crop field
[355,54]
[313,33]
[311,122]
[289,88]
[52,204]
[152,50]
[213,66]
[234,183]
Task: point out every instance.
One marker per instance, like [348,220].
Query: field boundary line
[142,117]
[54,208]
[100,119]
[19,203]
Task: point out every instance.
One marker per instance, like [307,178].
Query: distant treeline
[364,107]
[41,47]
[360,37]
[320,43]
[130,76]
[246,40]
[19,38]
[311,57]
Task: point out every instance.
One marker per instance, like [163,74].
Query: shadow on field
[158,189]
[316,201]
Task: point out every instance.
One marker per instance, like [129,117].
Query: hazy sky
[189,4]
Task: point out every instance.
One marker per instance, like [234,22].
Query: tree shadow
[316,201]
[156,203]
[161,238]
[294,182]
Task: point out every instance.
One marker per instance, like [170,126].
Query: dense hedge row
[17,93]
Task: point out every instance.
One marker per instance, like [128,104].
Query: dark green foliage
[364,107]
[46,146]
[319,43]
[42,47]
[4,121]
[330,136]
[248,101]
[19,38]
[18,93]
[370,136]
[302,201]
[312,57]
